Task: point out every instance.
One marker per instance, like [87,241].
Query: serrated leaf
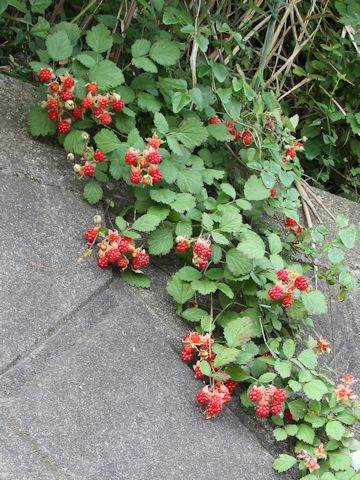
[58,46]
[146,223]
[252,246]
[284,462]
[183,228]
[194,314]
[99,38]
[275,243]
[188,180]
[161,123]
[148,102]
[305,433]
[228,189]
[335,430]
[188,274]
[191,133]
[226,356]
[340,461]
[308,358]
[239,331]
[162,195]
[204,286]
[230,222]
[297,408]
[226,290]
[93,192]
[179,100]
[74,142]
[283,368]
[106,140]
[106,74]
[140,47]
[145,64]
[220,238]
[220,132]
[289,348]
[280,434]
[121,223]
[183,202]
[255,189]
[315,389]
[161,240]
[205,368]
[314,302]
[180,291]
[86,59]
[165,52]
[39,122]
[140,280]
[291,430]
[237,263]
[267,377]
[295,386]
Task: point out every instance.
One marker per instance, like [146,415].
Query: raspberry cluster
[116,249]
[214,397]
[292,224]
[144,165]
[269,400]
[283,290]
[245,135]
[202,250]
[291,151]
[89,158]
[63,107]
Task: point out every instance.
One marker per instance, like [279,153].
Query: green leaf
[146,223]
[314,302]
[230,222]
[340,461]
[291,430]
[140,47]
[220,238]
[204,287]
[165,52]
[194,314]
[71,29]
[145,64]
[280,434]
[298,408]
[148,102]
[335,430]
[284,462]
[226,290]
[239,331]
[220,132]
[205,368]
[93,192]
[120,223]
[308,358]
[106,74]
[161,123]
[289,348]
[180,291]
[39,122]
[255,189]
[86,59]
[106,140]
[183,202]
[226,356]
[237,373]
[99,38]
[40,29]
[228,189]
[58,46]
[162,195]
[74,142]
[188,274]
[191,133]
[315,389]
[275,243]
[283,368]
[179,100]
[252,246]
[267,377]
[305,433]
[237,263]
[39,6]
[140,280]
[220,71]
[295,386]
[161,241]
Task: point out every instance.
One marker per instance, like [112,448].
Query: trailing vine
[214,170]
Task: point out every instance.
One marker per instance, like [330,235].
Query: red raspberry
[103,102]
[64,126]
[262,410]
[113,255]
[103,262]
[291,153]
[247,140]
[141,260]
[202,264]
[154,158]
[89,169]
[299,230]
[194,337]
[98,112]
[91,88]
[186,356]
[122,262]
[226,397]
[53,115]
[66,95]
[288,301]
[113,236]
[105,119]
[183,246]
[289,416]
[246,133]
[201,397]
[283,275]
[214,408]
[199,373]
[87,103]
[131,157]
[202,249]
[99,156]
[135,177]
[230,125]
[280,395]
[301,283]
[77,112]
[68,82]
[117,104]
[45,74]
[188,348]
[123,246]
[231,385]
[214,120]
[289,222]
[91,234]
[156,175]
[275,293]
[52,103]
[154,142]
[273,193]
[255,394]
[276,408]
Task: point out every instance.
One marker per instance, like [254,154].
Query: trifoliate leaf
[106,140]
[58,46]
[335,430]
[314,302]
[146,223]
[165,52]
[255,189]
[239,331]
[39,122]
[99,38]
[180,291]
[106,74]
[93,192]
[284,462]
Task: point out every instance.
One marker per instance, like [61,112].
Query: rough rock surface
[91,383]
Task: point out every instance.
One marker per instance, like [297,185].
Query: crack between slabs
[53,331]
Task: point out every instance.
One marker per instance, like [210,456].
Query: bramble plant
[218,162]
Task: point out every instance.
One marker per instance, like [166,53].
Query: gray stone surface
[91,383]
